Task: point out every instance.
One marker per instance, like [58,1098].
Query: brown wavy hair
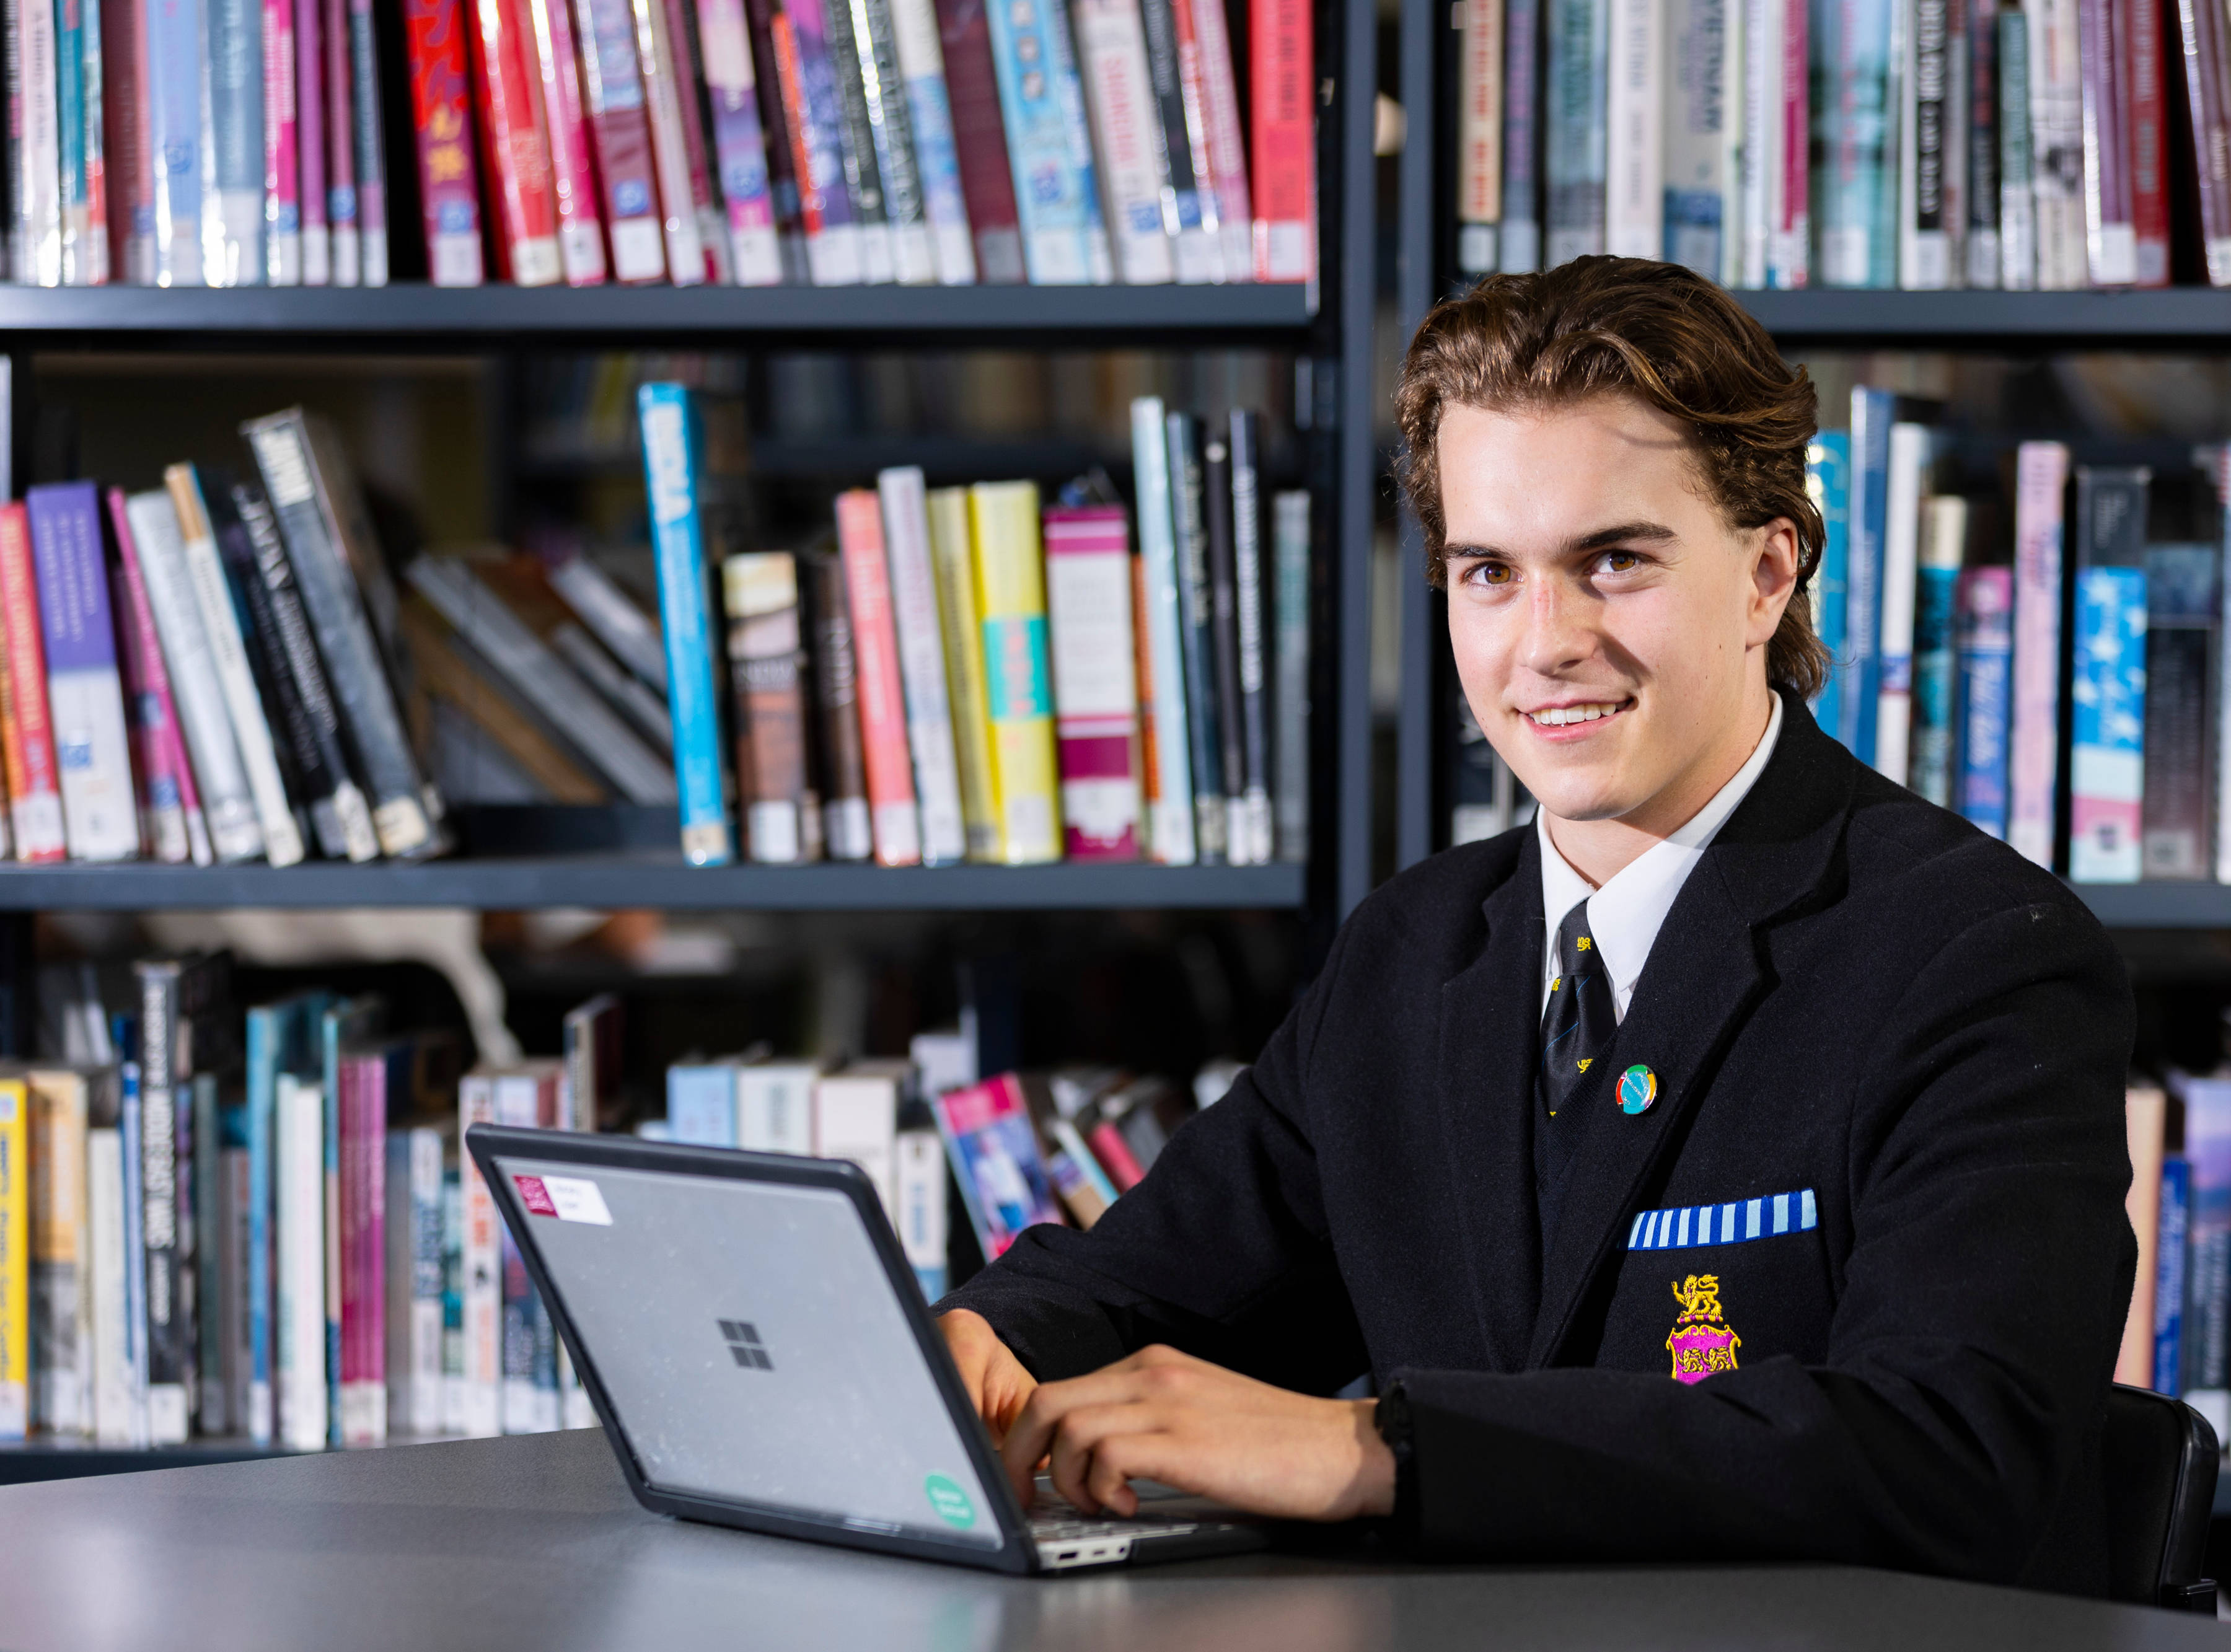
[1660,333]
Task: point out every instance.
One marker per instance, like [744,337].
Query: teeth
[1558,716]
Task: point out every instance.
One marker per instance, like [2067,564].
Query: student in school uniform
[1728,1164]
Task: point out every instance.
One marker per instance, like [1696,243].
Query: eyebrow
[1619,533]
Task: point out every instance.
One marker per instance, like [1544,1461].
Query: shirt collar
[1626,913]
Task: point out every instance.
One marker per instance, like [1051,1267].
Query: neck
[1600,849]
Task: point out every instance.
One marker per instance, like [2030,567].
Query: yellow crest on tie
[1582,944]
[1584,1059]
[1555,981]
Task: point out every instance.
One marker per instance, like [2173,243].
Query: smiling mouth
[1565,716]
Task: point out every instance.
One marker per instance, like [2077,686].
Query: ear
[1773,578]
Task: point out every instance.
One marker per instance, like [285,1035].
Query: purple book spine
[2033,778]
[310,140]
[101,811]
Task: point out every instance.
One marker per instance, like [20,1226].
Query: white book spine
[1924,256]
[774,1107]
[1634,195]
[855,1117]
[282,837]
[301,1270]
[38,252]
[235,832]
[94,764]
[921,1212]
[1111,41]
[685,239]
[1701,110]
[1762,150]
[1171,834]
[113,1413]
[481,1412]
[2056,105]
[1096,669]
[1909,457]
[921,665]
[921,66]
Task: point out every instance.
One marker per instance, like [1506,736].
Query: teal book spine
[1573,154]
[2108,720]
[672,470]
[1049,145]
[1936,671]
[1828,479]
[1855,99]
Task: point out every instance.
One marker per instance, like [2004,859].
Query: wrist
[1377,1474]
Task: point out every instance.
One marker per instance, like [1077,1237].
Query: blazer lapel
[1489,1021]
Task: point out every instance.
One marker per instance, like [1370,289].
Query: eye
[1620,561]
[1490,573]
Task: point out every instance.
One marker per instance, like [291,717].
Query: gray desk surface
[533,1543]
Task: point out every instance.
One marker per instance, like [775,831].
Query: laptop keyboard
[1066,1536]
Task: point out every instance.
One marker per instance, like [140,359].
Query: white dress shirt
[1624,915]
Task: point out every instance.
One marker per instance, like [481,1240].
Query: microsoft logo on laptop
[743,1345]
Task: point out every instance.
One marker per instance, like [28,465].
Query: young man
[1730,1164]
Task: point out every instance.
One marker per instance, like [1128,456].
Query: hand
[1162,1415]
[997,1383]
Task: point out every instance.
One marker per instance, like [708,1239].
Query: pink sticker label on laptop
[534,1196]
[569,1198]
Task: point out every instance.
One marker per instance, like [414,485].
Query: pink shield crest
[1701,1342]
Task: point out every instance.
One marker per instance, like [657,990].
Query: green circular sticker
[951,1502]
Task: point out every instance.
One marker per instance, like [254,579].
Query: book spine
[402,814]
[2056,105]
[670,466]
[1855,126]
[612,91]
[662,97]
[300,1250]
[2017,193]
[15,1261]
[60,1275]
[738,144]
[2207,1352]
[448,181]
[1758,29]
[701,1103]
[423,1163]
[263,1039]
[368,138]
[238,1352]
[919,1177]
[165,779]
[1635,179]
[2106,765]
[1065,239]
[110,1349]
[896,819]
[35,799]
[1925,235]
[1197,621]
[2042,476]
[1982,241]
[169,1333]
[1863,605]
[283,838]
[1189,203]
[1142,672]
[696,136]
[920,62]
[846,822]
[2184,629]
[1224,637]
[313,194]
[979,140]
[808,94]
[1698,35]
[480,1410]
[95,266]
[1253,815]
[1901,548]
[340,150]
[69,117]
[2148,144]
[174,72]
[1223,139]
[1283,104]
[580,228]
[364,1295]
[2109,230]
[129,162]
[1936,660]
[2206,128]
[1574,126]
[922,663]
[84,693]
[1291,550]
[1480,137]
[954,566]
[852,126]
[233,253]
[781,144]
[914,255]
[517,146]
[777,802]
[1171,831]
[2171,1257]
[1790,251]
[1087,590]
[1132,164]
[282,204]
[1829,481]
[1519,239]
[38,203]
[1003,520]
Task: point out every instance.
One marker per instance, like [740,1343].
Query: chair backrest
[2159,1457]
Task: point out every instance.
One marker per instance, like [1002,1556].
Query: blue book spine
[232,212]
[1855,100]
[135,1244]
[700,1105]
[2107,723]
[2168,1275]
[1828,479]
[71,17]
[2207,1297]
[1057,199]
[1934,678]
[938,160]
[1872,411]
[1987,661]
[671,470]
[174,69]
[264,1042]
[1574,156]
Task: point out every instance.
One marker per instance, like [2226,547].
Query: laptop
[760,1357]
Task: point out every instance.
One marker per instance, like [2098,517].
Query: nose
[1558,633]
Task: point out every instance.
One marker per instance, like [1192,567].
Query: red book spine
[517,148]
[612,78]
[775,126]
[449,181]
[979,140]
[372,1270]
[1282,75]
[129,156]
[580,233]
[1116,1155]
[882,696]
[790,82]
[341,207]
[2149,146]
[34,795]
[1219,153]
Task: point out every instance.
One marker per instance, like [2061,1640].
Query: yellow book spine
[1003,520]
[61,1252]
[964,669]
[15,1260]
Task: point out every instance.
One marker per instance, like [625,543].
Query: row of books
[259,1224]
[1916,144]
[998,683]
[2176,1340]
[753,142]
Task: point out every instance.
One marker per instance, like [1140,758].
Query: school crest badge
[1701,1342]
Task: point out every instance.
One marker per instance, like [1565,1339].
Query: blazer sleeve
[1222,1251]
[1975,1333]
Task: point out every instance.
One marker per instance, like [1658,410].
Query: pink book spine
[34,790]
[1225,145]
[580,227]
[348,1212]
[341,217]
[612,89]
[167,800]
[310,141]
[2149,147]
[2111,241]
[881,695]
[282,179]
[449,178]
[1284,109]
[712,232]
[1791,252]
[1096,687]
[371,1275]
[2033,778]
[979,141]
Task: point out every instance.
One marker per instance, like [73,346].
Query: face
[1610,627]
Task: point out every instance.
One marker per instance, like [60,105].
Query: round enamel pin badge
[1638,1088]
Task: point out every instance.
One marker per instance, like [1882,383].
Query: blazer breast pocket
[1706,1289]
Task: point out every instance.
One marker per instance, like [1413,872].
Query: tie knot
[1576,948]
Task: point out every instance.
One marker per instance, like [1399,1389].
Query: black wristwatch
[1391,1417]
